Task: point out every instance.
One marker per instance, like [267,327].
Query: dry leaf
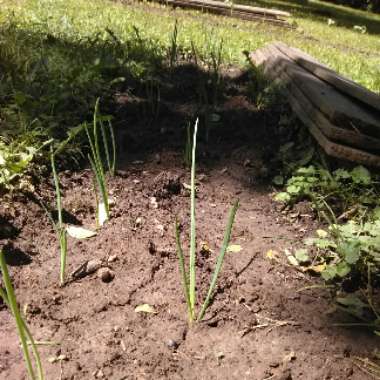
[272,255]
[79,232]
[316,268]
[234,248]
[145,308]
[292,260]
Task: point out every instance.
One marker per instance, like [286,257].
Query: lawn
[341,47]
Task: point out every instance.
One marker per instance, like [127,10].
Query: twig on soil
[367,366]
[314,287]
[272,323]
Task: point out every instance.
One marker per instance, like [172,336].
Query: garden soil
[266,321]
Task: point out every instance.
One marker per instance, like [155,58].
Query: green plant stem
[60,229]
[63,256]
[219,263]
[57,191]
[113,141]
[101,184]
[185,281]
[106,149]
[97,168]
[11,298]
[193,227]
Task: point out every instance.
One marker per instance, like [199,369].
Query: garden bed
[258,327]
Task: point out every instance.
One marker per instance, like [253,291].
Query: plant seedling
[59,226]
[188,280]
[95,158]
[23,331]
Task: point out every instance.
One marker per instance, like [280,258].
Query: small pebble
[112,258]
[93,265]
[172,344]
[106,275]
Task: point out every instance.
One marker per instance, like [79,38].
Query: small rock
[274,364]
[93,265]
[106,275]
[247,162]
[138,222]
[157,158]
[152,247]
[153,202]
[112,258]
[172,344]
[99,374]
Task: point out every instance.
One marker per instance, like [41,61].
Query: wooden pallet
[338,121]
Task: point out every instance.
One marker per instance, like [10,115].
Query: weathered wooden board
[238,11]
[300,106]
[341,83]
[341,110]
[238,7]
[273,70]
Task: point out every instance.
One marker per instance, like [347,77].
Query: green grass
[342,48]
[58,56]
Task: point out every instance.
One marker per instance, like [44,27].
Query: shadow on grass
[318,11]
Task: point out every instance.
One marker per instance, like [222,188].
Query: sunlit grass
[345,50]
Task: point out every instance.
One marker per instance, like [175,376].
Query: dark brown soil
[259,325]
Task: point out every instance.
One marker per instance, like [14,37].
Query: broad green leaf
[301,255]
[329,273]
[343,269]
[79,232]
[292,189]
[282,197]
[307,171]
[361,175]
[278,180]
[341,174]
[350,250]
[145,308]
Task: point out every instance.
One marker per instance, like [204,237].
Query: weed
[173,46]
[23,331]
[341,190]
[188,280]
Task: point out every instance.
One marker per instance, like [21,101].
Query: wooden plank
[341,83]
[331,148]
[208,6]
[237,7]
[341,110]
[353,138]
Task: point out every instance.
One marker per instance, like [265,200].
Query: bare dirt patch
[258,327]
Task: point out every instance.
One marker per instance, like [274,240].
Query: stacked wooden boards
[342,116]
[233,10]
